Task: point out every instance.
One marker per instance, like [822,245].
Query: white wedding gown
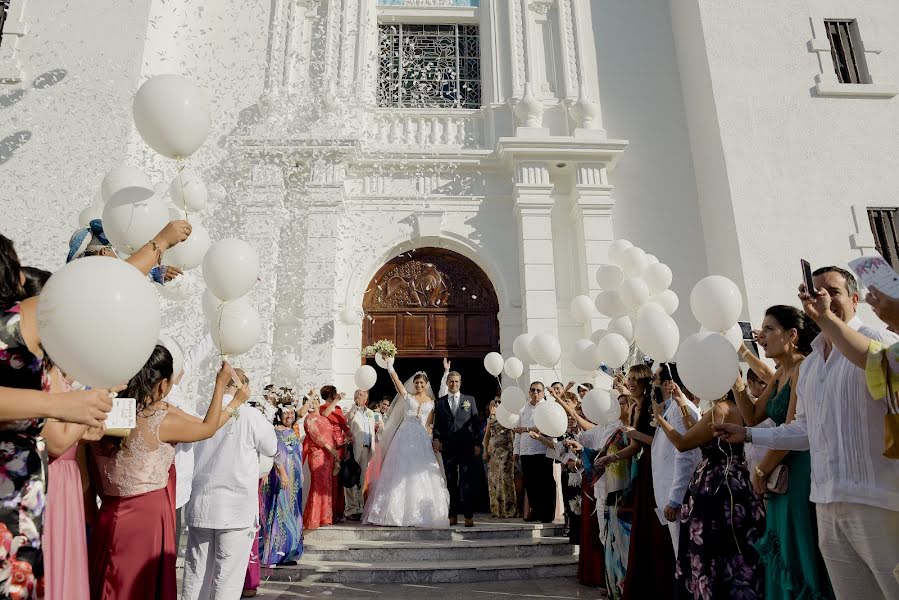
[411,490]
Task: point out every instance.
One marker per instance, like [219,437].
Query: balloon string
[181,167]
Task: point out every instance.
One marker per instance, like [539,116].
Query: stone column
[260,225]
[533,206]
[591,220]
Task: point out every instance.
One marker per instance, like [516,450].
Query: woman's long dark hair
[11,290]
[790,317]
[644,403]
[35,280]
[158,368]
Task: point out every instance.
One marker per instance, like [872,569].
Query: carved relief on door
[432,302]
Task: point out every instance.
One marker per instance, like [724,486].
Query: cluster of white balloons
[230,269]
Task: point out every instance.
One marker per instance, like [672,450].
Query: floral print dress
[722,520]
[501,472]
[23,470]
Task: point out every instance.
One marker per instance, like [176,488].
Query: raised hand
[446,364]
[816,305]
[172,234]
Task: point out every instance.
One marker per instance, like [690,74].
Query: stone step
[440,550]
[492,530]
[423,572]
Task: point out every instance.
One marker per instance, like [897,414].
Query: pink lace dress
[132,552]
[65,543]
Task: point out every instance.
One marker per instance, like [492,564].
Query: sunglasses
[536,390]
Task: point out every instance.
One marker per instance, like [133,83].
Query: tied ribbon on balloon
[181,165]
[219,310]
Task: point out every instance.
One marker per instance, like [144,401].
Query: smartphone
[807,277]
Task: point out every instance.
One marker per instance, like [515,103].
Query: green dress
[794,568]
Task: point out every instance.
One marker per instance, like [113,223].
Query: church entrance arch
[434,303]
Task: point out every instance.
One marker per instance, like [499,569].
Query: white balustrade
[425,128]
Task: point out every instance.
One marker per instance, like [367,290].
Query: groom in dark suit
[457,434]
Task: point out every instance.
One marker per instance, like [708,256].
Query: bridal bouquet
[380,347]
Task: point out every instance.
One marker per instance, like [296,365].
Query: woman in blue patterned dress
[283,496]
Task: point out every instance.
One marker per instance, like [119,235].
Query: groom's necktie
[454,403]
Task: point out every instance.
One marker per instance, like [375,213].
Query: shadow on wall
[14,141]
[642,102]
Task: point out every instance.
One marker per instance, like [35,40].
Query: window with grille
[884,227]
[4,12]
[429,66]
[843,43]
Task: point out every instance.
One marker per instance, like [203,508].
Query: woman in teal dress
[794,567]
[282,496]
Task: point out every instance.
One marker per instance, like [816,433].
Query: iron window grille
[4,13]
[884,227]
[429,66]
[843,41]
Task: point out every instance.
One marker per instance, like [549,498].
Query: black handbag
[350,473]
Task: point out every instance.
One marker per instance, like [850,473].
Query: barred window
[843,39]
[4,12]
[884,226]
[429,66]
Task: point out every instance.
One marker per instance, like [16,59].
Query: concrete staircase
[493,550]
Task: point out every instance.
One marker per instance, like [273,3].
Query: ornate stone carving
[529,109]
[438,280]
[568,34]
[541,7]
[519,69]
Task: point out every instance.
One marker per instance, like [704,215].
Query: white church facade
[453,171]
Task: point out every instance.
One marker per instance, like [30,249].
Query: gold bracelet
[759,472]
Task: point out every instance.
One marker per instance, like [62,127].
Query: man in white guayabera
[223,512]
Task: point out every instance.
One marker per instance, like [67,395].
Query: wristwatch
[748,431]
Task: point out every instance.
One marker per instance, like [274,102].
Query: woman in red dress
[321,455]
[340,430]
[132,546]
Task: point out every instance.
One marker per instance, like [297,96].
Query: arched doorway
[434,303]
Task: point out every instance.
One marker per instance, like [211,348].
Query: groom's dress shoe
[469,522]
[454,521]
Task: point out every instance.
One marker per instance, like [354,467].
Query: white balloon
[188,192]
[652,259]
[613,350]
[551,419]
[623,326]
[365,377]
[349,316]
[582,309]
[129,225]
[596,405]
[545,350]
[608,302]
[716,302]
[658,277]
[734,335]
[584,355]
[172,115]
[708,365]
[513,367]
[521,347]
[176,351]
[650,306]
[494,363]
[668,300]
[634,293]
[657,335]
[235,328]
[633,261]
[180,288]
[103,300]
[598,335]
[513,399]
[230,268]
[89,214]
[126,182]
[507,419]
[211,304]
[189,253]
[616,248]
[609,277]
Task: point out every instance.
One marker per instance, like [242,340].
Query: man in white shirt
[854,487]
[536,466]
[362,425]
[223,512]
[672,470]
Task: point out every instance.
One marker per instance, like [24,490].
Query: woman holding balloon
[498,442]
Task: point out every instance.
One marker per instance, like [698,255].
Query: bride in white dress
[411,490]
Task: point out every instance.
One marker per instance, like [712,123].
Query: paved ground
[557,589]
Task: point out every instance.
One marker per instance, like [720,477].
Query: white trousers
[860,546]
[215,563]
[674,530]
[355,500]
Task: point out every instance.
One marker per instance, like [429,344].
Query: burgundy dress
[132,547]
